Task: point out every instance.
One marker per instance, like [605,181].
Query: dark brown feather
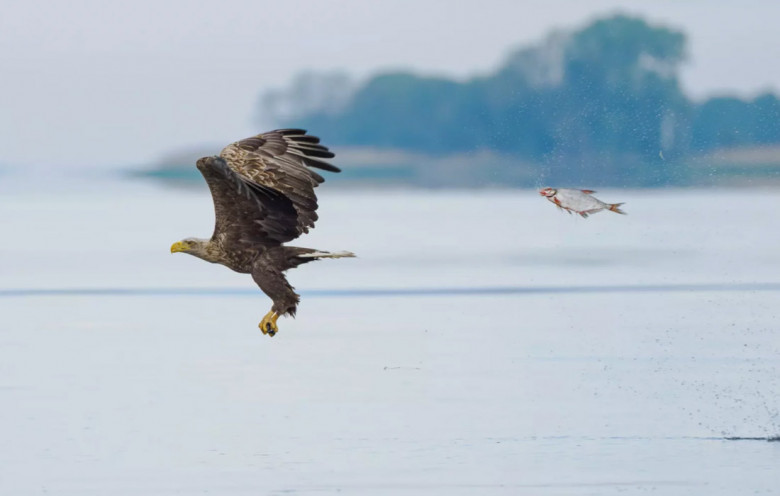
[281,160]
[246,213]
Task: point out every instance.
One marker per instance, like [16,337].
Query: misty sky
[94,82]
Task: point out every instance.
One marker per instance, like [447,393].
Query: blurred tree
[619,92]
[728,122]
[309,93]
[603,102]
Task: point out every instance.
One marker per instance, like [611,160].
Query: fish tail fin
[615,207]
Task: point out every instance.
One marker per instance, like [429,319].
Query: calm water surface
[483,343]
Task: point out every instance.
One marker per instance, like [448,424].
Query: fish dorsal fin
[587,191]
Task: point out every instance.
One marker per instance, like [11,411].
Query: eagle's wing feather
[263,187]
[247,213]
[281,160]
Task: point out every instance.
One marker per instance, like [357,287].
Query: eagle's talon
[268,324]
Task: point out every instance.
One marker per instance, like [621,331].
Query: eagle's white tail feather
[327,254]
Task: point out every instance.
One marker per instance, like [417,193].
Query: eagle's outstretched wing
[263,188]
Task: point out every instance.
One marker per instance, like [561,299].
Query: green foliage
[728,122]
[425,105]
[602,102]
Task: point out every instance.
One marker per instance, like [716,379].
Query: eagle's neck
[211,251]
[207,250]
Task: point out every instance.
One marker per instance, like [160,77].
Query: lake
[482,343]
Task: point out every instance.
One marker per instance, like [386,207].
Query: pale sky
[122,83]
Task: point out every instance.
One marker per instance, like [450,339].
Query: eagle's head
[193,246]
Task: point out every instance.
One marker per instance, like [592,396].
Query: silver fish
[579,201]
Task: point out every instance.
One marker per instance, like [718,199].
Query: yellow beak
[178,246]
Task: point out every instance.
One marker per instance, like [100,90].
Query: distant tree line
[591,101]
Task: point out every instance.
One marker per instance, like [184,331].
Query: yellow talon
[268,324]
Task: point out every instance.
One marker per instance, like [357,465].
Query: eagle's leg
[268,272]
[268,324]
